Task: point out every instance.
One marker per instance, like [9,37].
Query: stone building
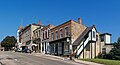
[37,39]
[46,38]
[74,38]
[106,43]
[26,36]
[63,35]
[68,39]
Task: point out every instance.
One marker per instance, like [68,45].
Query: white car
[18,50]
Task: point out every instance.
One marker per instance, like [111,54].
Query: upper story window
[61,33]
[66,31]
[102,38]
[52,35]
[48,33]
[94,34]
[96,37]
[56,34]
[45,34]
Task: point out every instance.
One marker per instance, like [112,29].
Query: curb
[67,59]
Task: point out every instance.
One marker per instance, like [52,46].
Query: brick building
[68,39]
[45,38]
[63,34]
[83,41]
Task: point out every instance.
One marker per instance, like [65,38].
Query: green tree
[115,52]
[9,41]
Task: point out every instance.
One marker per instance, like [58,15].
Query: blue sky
[105,14]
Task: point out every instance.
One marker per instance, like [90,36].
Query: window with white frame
[52,35]
[94,34]
[61,33]
[48,31]
[66,31]
[45,34]
[56,34]
[102,38]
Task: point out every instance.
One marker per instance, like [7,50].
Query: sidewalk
[86,62]
[65,59]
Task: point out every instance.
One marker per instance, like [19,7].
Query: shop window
[66,47]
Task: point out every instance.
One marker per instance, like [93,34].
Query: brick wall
[47,28]
[58,28]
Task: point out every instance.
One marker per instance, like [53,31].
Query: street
[13,58]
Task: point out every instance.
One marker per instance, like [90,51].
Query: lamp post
[70,47]
[70,51]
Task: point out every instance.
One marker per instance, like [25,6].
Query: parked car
[26,50]
[18,50]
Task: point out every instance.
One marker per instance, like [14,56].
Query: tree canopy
[115,52]
[9,41]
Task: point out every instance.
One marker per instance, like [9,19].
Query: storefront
[60,47]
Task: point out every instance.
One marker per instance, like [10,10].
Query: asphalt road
[12,58]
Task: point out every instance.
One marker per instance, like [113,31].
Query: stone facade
[76,30]
[58,39]
[68,39]
[26,35]
[107,48]
[37,39]
[106,43]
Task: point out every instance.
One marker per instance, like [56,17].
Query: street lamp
[70,47]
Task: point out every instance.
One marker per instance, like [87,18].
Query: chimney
[79,20]
[94,26]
